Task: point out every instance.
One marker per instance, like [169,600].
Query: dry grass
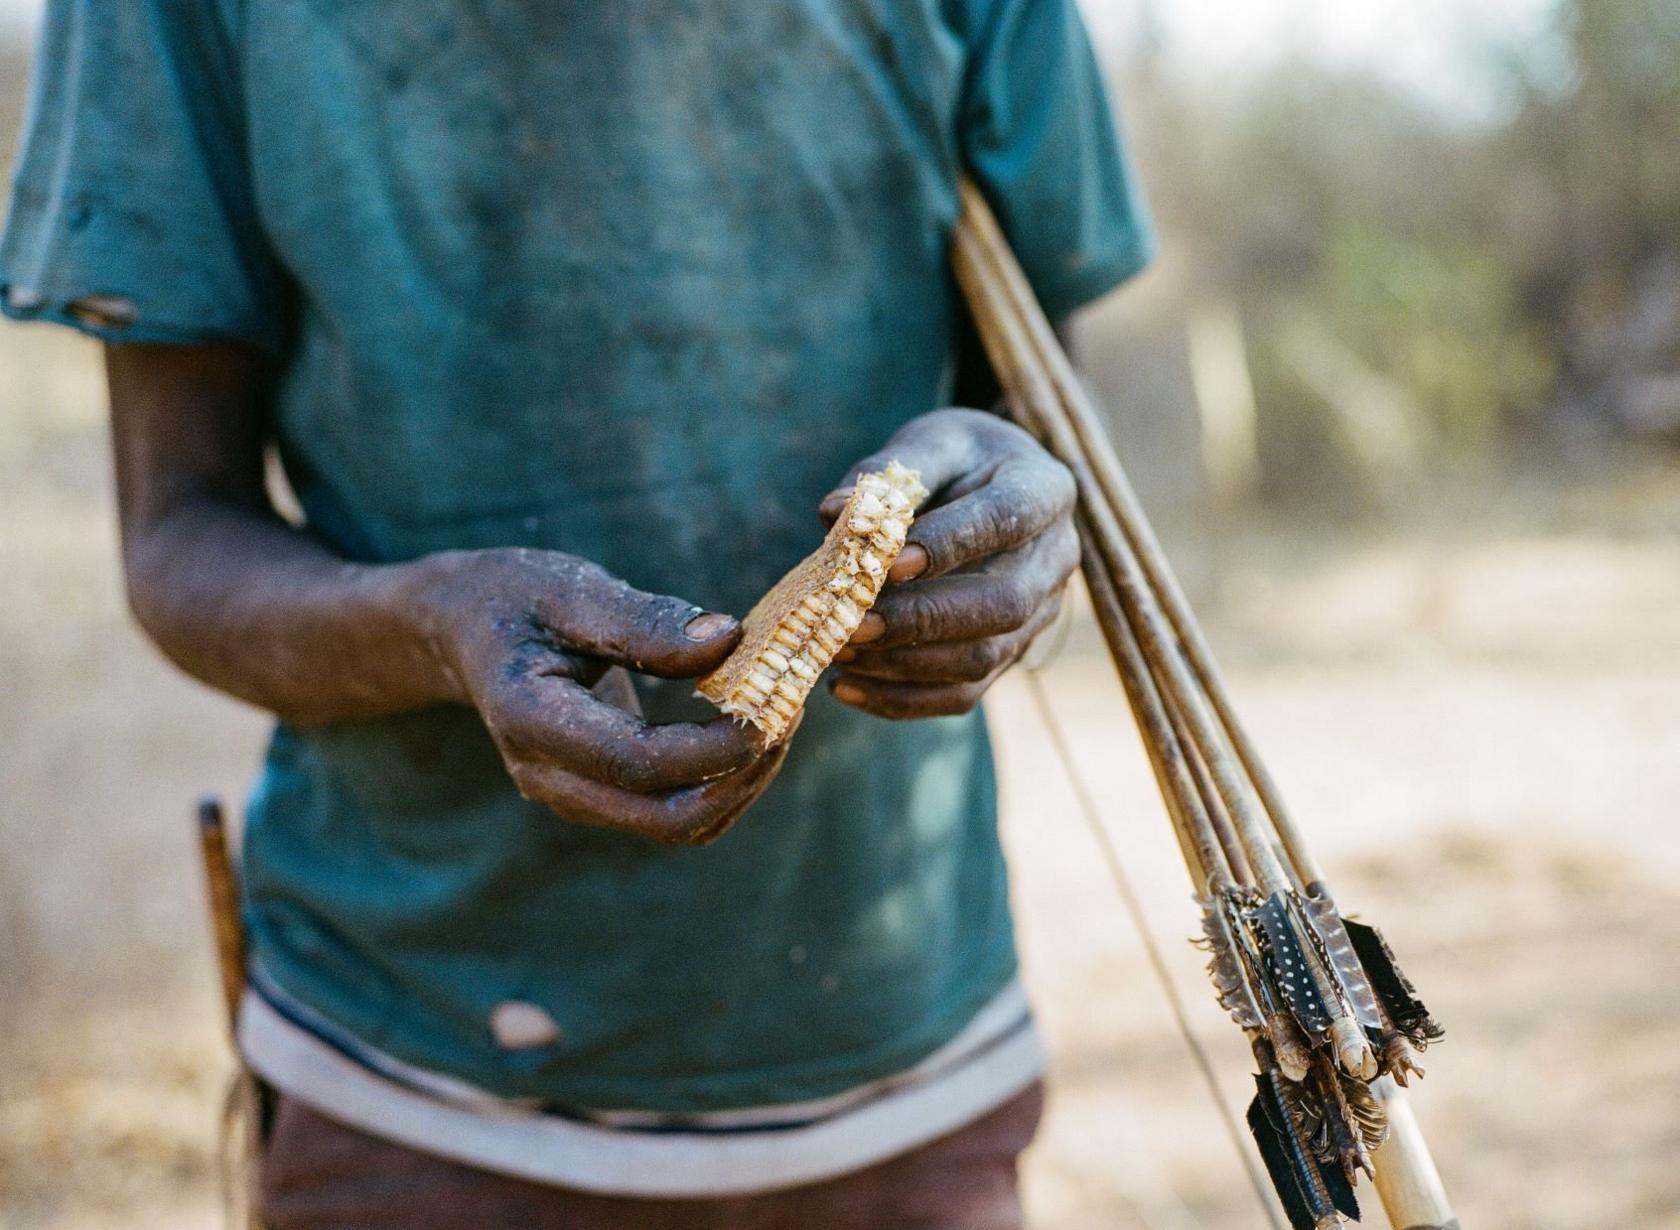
[1477,721]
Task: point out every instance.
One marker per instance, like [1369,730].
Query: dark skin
[257,608]
[982,574]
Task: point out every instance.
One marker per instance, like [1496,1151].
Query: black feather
[1287,967]
[1341,1138]
[1308,1191]
[1341,1191]
[1276,1156]
[1395,990]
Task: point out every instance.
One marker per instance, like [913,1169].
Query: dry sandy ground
[1477,720]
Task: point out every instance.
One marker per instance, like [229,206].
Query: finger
[996,598]
[617,689]
[694,815]
[1025,496]
[603,617]
[558,722]
[927,445]
[911,563]
[871,629]
[955,661]
[905,701]
[746,790]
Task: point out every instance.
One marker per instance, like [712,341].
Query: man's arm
[248,604]
[228,591]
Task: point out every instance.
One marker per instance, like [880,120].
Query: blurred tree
[1594,230]
[1416,286]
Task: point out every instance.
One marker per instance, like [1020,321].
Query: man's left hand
[982,573]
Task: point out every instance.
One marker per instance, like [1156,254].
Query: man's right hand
[524,635]
[248,604]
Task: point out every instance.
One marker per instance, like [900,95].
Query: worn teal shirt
[633,279]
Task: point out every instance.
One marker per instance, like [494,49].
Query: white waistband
[641,1153]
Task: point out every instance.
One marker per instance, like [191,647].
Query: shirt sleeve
[1039,137]
[132,214]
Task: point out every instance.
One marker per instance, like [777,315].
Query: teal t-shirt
[633,279]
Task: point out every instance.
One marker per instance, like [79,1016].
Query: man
[552,310]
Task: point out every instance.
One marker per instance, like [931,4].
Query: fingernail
[847,693]
[873,628]
[910,564]
[706,626]
[846,654]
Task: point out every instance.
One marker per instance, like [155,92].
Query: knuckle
[962,416]
[1065,551]
[1017,435]
[956,700]
[588,585]
[1014,601]
[586,572]
[516,731]
[528,782]
[1008,517]
[1050,611]
[626,765]
[1003,518]
[940,617]
[1057,484]
[977,660]
[884,702]
[912,620]
[677,835]
[697,823]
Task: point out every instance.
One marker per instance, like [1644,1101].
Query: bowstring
[1134,907]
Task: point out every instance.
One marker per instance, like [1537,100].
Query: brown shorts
[321,1175]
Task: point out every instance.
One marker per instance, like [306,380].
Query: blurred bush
[1420,287]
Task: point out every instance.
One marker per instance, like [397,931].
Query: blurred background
[1403,392]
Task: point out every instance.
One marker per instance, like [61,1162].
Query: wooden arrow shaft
[1229,817]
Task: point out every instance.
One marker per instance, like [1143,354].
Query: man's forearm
[228,591]
[247,604]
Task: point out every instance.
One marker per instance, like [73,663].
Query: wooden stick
[1033,402]
[1005,328]
[1168,755]
[1110,849]
[1408,1184]
[1120,551]
[223,894]
[1111,477]
[1018,366]
[1209,794]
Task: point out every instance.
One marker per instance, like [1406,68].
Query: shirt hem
[1067,295]
[141,331]
[639,1159]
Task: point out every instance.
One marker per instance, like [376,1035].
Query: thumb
[933,445]
[653,634]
